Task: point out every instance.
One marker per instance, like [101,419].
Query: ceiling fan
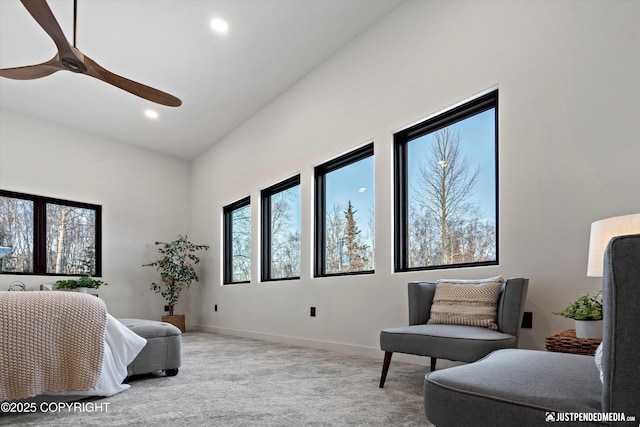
[71,59]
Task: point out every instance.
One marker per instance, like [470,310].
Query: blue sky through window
[477,144]
[354,182]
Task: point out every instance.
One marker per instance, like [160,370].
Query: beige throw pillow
[466,302]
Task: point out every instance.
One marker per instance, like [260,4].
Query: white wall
[144,198]
[569,144]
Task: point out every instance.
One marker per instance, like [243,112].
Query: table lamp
[602,232]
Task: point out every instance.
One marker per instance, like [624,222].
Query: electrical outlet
[313,312]
[166,308]
[527,320]
[215,307]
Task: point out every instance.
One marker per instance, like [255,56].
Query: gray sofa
[528,387]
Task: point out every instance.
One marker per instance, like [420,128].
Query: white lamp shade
[602,232]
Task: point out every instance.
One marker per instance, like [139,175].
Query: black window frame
[40,235]
[227,244]
[265,196]
[401,139]
[320,173]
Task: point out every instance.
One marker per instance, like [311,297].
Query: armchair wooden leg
[433,364]
[385,367]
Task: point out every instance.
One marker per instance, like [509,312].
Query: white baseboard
[303,342]
[373,352]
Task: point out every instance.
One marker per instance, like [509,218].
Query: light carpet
[232,381]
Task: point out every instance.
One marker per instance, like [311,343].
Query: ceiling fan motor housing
[73,64]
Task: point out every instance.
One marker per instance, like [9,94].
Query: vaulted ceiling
[222,79]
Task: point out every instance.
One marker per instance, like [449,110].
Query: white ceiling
[168,44]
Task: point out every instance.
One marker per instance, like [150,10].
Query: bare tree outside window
[446,183]
[16,232]
[68,240]
[334,237]
[241,237]
[285,233]
[237,242]
[442,192]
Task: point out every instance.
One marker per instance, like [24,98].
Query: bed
[63,344]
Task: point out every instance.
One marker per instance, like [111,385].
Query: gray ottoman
[163,349]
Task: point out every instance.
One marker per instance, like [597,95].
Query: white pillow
[598,357]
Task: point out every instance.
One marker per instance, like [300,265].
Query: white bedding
[121,346]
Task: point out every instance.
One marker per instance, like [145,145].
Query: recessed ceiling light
[362,189]
[151,114]
[219,25]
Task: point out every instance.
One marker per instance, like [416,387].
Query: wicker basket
[566,342]
[177,320]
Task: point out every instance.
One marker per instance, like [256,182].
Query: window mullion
[227,247]
[400,207]
[39,236]
[320,224]
[266,237]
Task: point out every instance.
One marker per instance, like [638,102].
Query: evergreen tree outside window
[344,214]
[446,189]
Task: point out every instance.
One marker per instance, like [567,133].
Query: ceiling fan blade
[31,72]
[41,12]
[70,58]
[138,89]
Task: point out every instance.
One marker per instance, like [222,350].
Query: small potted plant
[586,312]
[177,269]
[80,285]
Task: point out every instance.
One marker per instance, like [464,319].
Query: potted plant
[81,285]
[586,312]
[177,269]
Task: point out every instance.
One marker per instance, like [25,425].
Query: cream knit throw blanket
[49,342]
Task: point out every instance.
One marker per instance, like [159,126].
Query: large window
[446,189]
[281,230]
[344,214]
[48,236]
[237,242]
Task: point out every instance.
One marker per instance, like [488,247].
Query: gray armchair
[453,342]
[530,387]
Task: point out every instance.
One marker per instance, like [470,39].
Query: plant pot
[177,320]
[588,328]
[82,290]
